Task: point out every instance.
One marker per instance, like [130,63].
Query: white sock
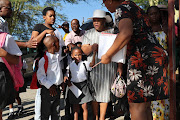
[19,106]
[11,110]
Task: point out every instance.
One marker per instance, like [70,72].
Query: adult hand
[3,53]
[51,32]
[32,43]
[53,91]
[105,59]
[87,49]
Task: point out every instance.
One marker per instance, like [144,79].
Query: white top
[10,45]
[54,71]
[78,72]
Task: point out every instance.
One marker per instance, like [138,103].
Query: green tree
[146,3]
[26,14]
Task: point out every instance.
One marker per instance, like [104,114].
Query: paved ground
[28,103]
[29,97]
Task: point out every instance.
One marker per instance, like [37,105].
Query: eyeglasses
[9,8]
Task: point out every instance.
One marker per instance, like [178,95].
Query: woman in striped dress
[103,74]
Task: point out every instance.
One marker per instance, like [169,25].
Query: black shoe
[19,111]
[11,116]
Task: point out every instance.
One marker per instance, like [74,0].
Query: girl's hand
[105,59]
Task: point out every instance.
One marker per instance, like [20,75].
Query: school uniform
[7,91]
[50,105]
[79,79]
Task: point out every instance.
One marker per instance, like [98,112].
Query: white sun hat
[101,14]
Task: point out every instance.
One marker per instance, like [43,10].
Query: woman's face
[50,17]
[154,15]
[99,24]
[109,5]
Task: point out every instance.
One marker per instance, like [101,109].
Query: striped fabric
[103,74]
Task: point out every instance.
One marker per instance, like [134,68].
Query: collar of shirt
[75,62]
[52,56]
[80,34]
[3,25]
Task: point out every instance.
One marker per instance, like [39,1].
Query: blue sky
[80,10]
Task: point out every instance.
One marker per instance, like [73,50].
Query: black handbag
[89,82]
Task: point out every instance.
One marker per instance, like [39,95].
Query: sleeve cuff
[48,85]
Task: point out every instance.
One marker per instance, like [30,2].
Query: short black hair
[78,43]
[47,9]
[155,7]
[74,48]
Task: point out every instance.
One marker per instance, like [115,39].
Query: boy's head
[5,8]
[51,43]
[49,15]
[76,54]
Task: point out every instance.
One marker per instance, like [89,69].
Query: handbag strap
[85,66]
[87,72]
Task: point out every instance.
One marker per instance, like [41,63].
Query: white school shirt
[54,72]
[78,72]
[10,45]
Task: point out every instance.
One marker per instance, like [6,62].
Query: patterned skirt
[147,78]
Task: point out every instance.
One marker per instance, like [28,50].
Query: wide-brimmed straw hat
[101,14]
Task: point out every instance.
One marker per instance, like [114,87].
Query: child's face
[50,17]
[77,55]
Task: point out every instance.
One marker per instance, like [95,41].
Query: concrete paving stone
[28,98]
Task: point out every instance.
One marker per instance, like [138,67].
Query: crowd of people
[64,64]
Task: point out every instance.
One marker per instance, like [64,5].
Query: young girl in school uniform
[77,75]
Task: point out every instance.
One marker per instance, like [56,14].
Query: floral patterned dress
[161,108]
[146,59]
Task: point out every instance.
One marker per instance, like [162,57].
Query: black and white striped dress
[103,74]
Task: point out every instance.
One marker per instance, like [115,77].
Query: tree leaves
[27,13]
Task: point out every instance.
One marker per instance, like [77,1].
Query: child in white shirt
[51,80]
[77,74]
